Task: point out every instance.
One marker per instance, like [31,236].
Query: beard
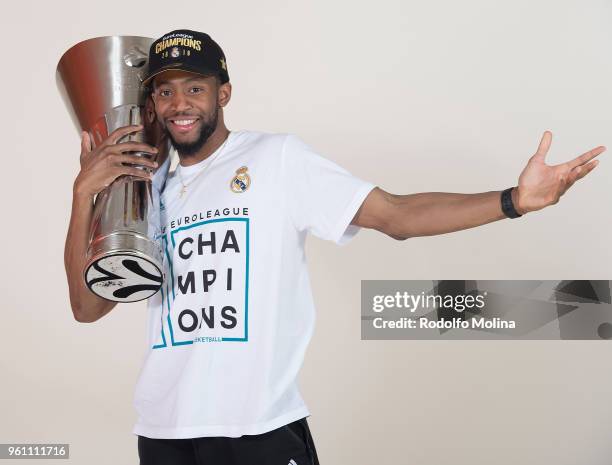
[207,127]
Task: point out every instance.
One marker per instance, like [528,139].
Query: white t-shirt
[228,332]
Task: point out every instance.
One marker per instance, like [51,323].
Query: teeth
[183,122]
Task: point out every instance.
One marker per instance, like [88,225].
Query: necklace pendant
[183,190]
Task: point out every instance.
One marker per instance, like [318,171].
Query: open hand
[541,185]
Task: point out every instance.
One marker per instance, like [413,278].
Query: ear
[225,94]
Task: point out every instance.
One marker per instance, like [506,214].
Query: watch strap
[507,205]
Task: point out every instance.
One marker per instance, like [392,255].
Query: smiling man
[228,333]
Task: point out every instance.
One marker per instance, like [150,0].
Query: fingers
[118,149]
[118,133]
[133,147]
[544,145]
[110,145]
[131,171]
[122,170]
[585,157]
[581,171]
[85,143]
[134,160]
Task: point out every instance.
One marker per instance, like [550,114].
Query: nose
[180,102]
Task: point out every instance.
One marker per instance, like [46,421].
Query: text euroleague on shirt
[207,215]
[196,239]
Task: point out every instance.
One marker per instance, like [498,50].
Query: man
[229,329]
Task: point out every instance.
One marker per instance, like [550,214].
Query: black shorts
[291,444]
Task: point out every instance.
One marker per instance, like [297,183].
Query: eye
[196,90]
[164,92]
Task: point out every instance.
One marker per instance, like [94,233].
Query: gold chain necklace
[185,186]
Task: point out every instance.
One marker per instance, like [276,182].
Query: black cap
[186,50]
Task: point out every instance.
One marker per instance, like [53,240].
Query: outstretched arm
[431,213]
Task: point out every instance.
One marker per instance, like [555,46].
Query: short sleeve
[321,197]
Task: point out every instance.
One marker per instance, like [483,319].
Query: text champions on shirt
[210,250]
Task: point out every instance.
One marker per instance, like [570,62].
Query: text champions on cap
[172,40]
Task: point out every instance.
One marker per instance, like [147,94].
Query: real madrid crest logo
[175,52]
[241,181]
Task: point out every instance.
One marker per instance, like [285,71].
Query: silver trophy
[100,81]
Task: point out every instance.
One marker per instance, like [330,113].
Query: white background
[413,96]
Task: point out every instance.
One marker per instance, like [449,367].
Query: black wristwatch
[507,205]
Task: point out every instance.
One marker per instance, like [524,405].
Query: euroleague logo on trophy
[123,277]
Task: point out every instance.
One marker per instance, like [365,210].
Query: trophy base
[124,267]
